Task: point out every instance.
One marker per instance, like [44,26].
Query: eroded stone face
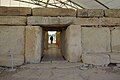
[73,48]
[96,59]
[11,43]
[115,42]
[53,12]
[33,44]
[90,13]
[13,20]
[95,39]
[15,11]
[112,13]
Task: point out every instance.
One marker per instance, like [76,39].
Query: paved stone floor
[53,54]
[60,71]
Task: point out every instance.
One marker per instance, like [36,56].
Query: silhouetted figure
[51,39]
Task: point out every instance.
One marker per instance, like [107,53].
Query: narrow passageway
[52,54]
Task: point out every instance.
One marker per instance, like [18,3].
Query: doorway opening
[52,47]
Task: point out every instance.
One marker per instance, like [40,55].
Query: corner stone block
[11,44]
[95,40]
[96,59]
[90,13]
[115,39]
[112,13]
[15,11]
[114,57]
[53,12]
[73,48]
[33,44]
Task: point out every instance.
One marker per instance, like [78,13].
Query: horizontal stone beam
[90,13]
[53,12]
[112,13]
[97,21]
[15,11]
[50,21]
[13,20]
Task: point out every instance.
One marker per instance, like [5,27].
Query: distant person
[51,39]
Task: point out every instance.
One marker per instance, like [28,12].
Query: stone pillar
[11,44]
[73,48]
[46,40]
[58,39]
[33,44]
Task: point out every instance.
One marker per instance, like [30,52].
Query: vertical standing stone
[33,44]
[58,39]
[73,43]
[115,36]
[95,40]
[11,44]
[46,40]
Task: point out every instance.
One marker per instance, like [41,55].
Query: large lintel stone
[11,43]
[53,12]
[15,11]
[49,21]
[96,39]
[96,59]
[112,13]
[90,13]
[13,20]
[73,48]
[33,44]
[115,39]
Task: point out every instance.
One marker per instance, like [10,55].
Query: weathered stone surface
[97,21]
[13,20]
[115,39]
[50,21]
[15,11]
[109,21]
[114,57]
[73,48]
[11,42]
[96,59]
[112,13]
[6,60]
[95,39]
[86,21]
[53,12]
[90,13]
[33,44]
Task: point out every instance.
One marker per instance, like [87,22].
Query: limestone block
[95,39]
[97,21]
[53,12]
[115,39]
[15,11]
[13,20]
[109,21]
[73,48]
[49,21]
[11,43]
[86,21]
[112,13]
[96,59]
[114,57]
[6,60]
[33,44]
[90,13]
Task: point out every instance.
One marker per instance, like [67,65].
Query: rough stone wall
[92,35]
